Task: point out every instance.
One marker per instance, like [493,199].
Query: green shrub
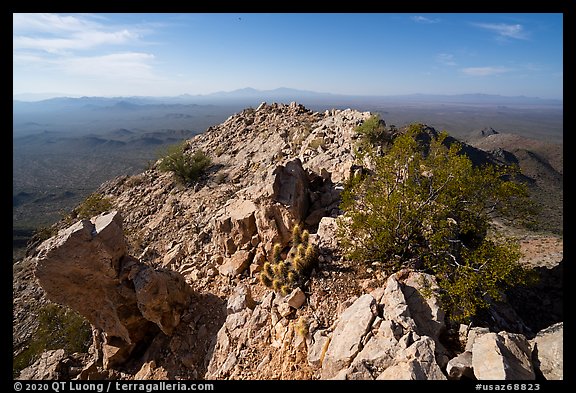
[93,205]
[58,327]
[186,167]
[372,132]
[43,233]
[285,275]
[316,143]
[431,207]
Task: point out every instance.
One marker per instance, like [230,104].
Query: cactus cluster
[284,275]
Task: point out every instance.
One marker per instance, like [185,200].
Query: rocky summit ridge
[168,278]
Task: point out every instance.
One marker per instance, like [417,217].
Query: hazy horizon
[40,96]
[381,54]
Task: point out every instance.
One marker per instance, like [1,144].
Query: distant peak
[488,131]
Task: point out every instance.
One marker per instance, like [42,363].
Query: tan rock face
[47,367]
[345,344]
[502,356]
[290,188]
[548,351]
[236,264]
[236,227]
[80,266]
[162,297]
[86,268]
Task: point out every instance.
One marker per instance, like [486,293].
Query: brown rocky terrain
[541,162]
[169,282]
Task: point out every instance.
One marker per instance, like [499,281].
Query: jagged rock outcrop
[272,167]
[509,356]
[86,268]
[392,333]
[245,324]
[375,337]
[345,342]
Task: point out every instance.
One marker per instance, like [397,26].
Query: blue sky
[365,54]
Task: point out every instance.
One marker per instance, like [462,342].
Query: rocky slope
[541,162]
[169,279]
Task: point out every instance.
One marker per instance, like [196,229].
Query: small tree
[429,206]
[186,167]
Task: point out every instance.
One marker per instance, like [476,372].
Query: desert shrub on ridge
[186,167]
[430,208]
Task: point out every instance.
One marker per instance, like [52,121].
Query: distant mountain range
[27,101]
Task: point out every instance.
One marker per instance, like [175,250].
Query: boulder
[352,325]
[473,334]
[296,298]
[236,225]
[460,366]
[173,256]
[86,268]
[326,234]
[402,343]
[149,371]
[395,305]
[425,310]
[162,296]
[240,299]
[502,356]
[548,352]
[379,353]
[416,362]
[80,267]
[48,366]
[289,184]
[236,264]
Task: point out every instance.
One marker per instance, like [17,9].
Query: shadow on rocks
[183,355]
[527,309]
